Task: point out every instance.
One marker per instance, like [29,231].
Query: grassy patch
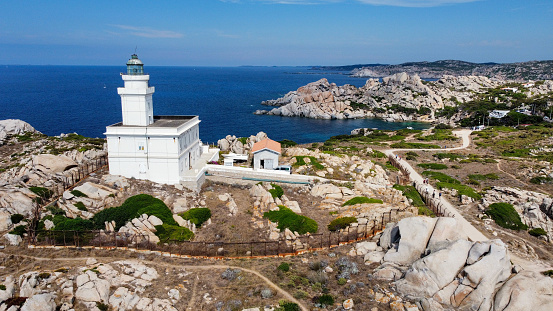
[300,161]
[411,193]
[438,134]
[286,218]
[540,180]
[277,191]
[361,200]
[433,166]
[537,232]
[341,223]
[450,156]
[132,208]
[78,194]
[80,206]
[483,177]
[197,215]
[406,145]
[168,233]
[285,143]
[505,215]
[441,177]
[461,189]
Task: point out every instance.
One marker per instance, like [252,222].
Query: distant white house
[529,84]
[478,127]
[498,114]
[524,110]
[512,89]
[266,154]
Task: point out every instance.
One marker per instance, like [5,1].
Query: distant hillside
[532,70]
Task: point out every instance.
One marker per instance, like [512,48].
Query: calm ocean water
[84,99]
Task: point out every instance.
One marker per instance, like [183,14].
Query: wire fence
[51,194]
[215,249]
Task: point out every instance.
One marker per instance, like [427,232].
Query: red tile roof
[266,144]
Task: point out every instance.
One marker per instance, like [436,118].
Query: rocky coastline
[397,98]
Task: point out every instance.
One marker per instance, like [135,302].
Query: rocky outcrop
[14,127]
[535,209]
[142,228]
[535,70]
[398,97]
[432,262]
[239,145]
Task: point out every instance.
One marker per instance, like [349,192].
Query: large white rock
[40,302]
[431,273]
[484,275]
[14,127]
[49,163]
[95,191]
[10,289]
[5,220]
[527,290]
[415,233]
[13,239]
[326,190]
[447,229]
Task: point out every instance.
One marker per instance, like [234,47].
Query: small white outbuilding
[265,154]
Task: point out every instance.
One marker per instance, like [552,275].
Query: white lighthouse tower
[163,149]
[136,96]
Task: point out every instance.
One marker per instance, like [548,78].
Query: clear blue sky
[274,32]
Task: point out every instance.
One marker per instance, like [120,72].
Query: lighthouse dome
[135,66]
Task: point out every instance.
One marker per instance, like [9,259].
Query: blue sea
[84,99]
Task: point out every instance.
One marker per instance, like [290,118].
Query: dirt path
[284,293]
[532,187]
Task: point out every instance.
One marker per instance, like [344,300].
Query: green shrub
[277,191]
[441,177]
[284,266]
[286,218]
[78,194]
[326,300]
[483,177]
[76,224]
[342,281]
[54,210]
[405,145]
[285,143]
[539,180]
[432,166]
[168,233]
[243,140]
[548,273]
[537,232]
[361,200]
[505,215]
[461,189]
[377,154]
[102,306]
[197,215]
[80,206]
[425,211]
[341,223]
[132,208]
[300,161]
[19,230]
[42,193]
[450,156]
[288,306]
[300,294]
[2,287]
[411,193]
[16,218]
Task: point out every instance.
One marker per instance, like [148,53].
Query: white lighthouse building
[163,149]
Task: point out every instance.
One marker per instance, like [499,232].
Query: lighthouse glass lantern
[135,66]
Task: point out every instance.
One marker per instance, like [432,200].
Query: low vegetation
[361,200]
[287,219]
[341,223]
[406,145]
[197,216]
[441,177]
[172,233]
[432,166]
[505,215]
[132,208]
